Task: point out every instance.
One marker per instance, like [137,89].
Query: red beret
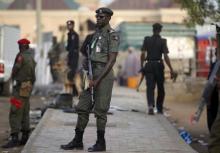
[23,42]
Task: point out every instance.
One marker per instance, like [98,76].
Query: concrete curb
[36,131]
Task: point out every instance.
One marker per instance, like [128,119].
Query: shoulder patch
[114,35]
[112,31]
[19,59]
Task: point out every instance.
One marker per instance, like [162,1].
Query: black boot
[13,142]
[24,138]
[100,143]
[76,143]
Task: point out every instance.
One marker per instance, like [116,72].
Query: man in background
[154,47]
[73,51]
[23,77]
[53,56]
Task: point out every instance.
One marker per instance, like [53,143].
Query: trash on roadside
[35,116]
[135,110]
[166,114]
[185,135]
[118,108]
[202,143]
[195,139]
[202,136]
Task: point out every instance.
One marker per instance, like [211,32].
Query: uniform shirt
[104,41]
[72,41]
[155,47]
[24,67]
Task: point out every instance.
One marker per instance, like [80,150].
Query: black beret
[70,22]
[157,26]
[104,10]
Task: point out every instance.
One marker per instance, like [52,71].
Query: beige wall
[51,20]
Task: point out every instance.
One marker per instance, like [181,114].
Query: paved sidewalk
[127,131]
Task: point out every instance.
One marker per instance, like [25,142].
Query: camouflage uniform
[25,74]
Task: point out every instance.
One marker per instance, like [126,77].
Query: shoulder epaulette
[112,30]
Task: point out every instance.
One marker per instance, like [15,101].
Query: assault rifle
[207,91]
[210,84]
[90,74]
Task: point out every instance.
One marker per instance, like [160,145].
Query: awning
[133,33]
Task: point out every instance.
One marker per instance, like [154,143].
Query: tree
[200,11]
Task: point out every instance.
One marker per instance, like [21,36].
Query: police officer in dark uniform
[72,48]
[104,49]
[154,47]
[23,76]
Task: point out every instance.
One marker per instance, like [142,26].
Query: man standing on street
[214,140]
[53,56]
[154,47]
[23,77]
[73,51]
[104,50]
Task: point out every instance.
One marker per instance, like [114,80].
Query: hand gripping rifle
[210,84]
[207,91]
[90,74]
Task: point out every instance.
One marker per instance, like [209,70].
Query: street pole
[39,51]
[38,24]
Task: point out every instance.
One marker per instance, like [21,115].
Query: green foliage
[200,11]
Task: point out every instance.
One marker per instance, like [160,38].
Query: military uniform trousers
[19,117]
[214,141]
[154,74]
[102,97]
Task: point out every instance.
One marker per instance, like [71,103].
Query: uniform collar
[27,51]
[156,35]
[105,28]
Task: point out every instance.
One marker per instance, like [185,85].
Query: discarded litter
[118,108]
[35,116]
[166,114]
[202,143]
[135,110]
[202,136]
[185,136]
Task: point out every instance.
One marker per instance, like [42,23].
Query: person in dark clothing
[154,47]
[73,52]
[212,106]
[72,48]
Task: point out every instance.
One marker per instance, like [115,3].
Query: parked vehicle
[8,50]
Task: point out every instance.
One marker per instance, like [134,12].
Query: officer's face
[23,47]
[102,19]
[70,26]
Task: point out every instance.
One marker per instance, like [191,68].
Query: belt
[98,64]
[154,61]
